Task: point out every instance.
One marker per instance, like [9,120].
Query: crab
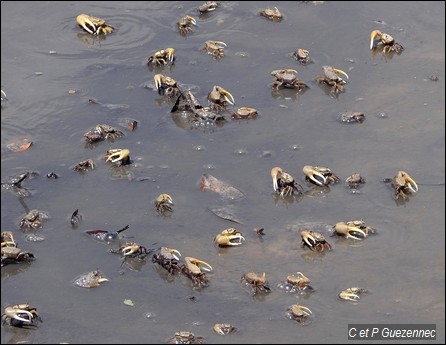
[272,14]
[94,25]
[90,279]
[20,315]
[219,97]
[224,328]
[302,56]
[299,313]
[102,132]
[166,85]
[13,255]
[387,42]
[186,337]
[284,183]
[229,237]
[351,117]
[8,239]
[332,79]
[314,240]
[184,25]
[215,48]
[168,259]
[208,6]
[164,204]
[258,283]
[33,219]
[320,176]
[403,185]
[287,78]
[354,180]
[244,113]
[120,156]
[351,294]
[296,283]
[162,57]
[84,166]
[353,229]
[195,270]
[132,250]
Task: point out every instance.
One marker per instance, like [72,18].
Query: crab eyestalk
[310,173]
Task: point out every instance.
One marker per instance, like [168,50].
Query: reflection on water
[42,64]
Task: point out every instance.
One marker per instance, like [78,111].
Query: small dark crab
[284,183]
[168,259]
[20,315]
[302,56]
[14,184]
[215,48]
[272,14]
[164,204]
[355,229]
[84,166]
[162,57]
[102,132]
[33,219]
[195,270]
[208,6]
[13,255]
[299,313]
[296,283]
[257,282]
[351,117]
[90,280]
[386,42]
[354,180]
[94,25]
[320,176]
[118,156]
[332,79]
[184,25]
[244,113]
[287,78]
[218,98]
[403,185]
[166,85]
[185,337]
[314,240]
[229,237]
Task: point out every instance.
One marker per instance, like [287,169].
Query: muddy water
[402,266]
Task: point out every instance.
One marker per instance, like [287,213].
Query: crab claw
[301,310]
[191,20]
[346,230]
[311,173]
[373,36]
[410,182]
[14,313]
[340,71]
[170,52]
[219,43]
[202,265]
[130,249]
[117,155]
[229,237]
[308,238]
[175,253]
[84,21]
[348,295]
[158,78]
[3,94]
[275,172]
[225,94]
[165,198]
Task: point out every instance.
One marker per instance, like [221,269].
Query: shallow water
[402,266]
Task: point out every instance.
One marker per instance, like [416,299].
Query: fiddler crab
[224,328]
[33,219]
[244,113]
[132,250]
[354,180]
[184,25]
[90,279]
[162,57]
[195,270]
[13,255]
[272,14]
[302,56]
[102,132]
[284,183]
[215,48]
[320,176]
[20,315]
[296,283]
[314,240]
[351,117]
[258,283]
[219,97]
[403,185]
[287,78]
[351,294]
[386,41]
[93,25]
[119,156]
[208,6]
[229,237]
[84,166]
[353,229]
[168,259]
[166,85]
[299,313]
[186,337]
[164,204]
[332,79]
